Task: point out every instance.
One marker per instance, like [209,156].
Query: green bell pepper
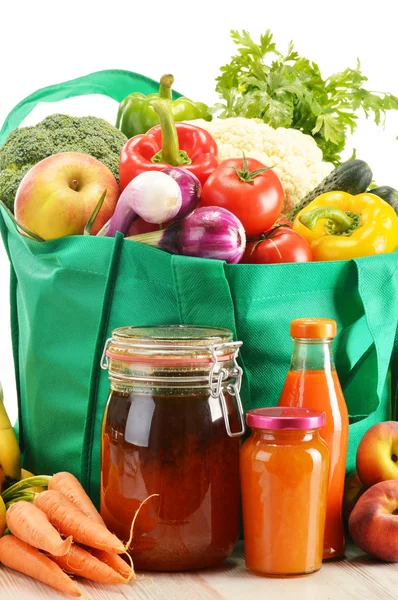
[136,114]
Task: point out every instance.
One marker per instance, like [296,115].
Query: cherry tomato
[247,188]
[280,245]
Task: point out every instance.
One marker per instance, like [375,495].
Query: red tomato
[281,245]
[255,198]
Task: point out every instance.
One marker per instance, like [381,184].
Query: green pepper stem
[340,221]
[170,153]
[166,83]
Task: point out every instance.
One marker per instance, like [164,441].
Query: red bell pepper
[176,144]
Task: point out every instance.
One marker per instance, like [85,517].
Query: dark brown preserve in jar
[171,428]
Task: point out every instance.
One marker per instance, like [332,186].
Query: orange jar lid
[313,328]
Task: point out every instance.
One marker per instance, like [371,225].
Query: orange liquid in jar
[284,477]
[321,390]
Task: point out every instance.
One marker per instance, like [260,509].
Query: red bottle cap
[285,418]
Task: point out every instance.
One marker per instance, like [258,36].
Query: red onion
[139,199]
[208,232]
[190,186]
[152,195]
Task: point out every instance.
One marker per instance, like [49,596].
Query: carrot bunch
[46,530]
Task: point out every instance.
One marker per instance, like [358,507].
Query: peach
[373,523]
[353,490]
[377,456]
[59,194]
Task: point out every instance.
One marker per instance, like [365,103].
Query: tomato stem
[256,243]
[244,174]
[268,234]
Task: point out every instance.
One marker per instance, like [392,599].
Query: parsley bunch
[286,90]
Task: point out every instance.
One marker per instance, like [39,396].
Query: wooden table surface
[358,577]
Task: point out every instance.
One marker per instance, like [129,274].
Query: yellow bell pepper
[339,226]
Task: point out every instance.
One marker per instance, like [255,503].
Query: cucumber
[387,193]
[353,177]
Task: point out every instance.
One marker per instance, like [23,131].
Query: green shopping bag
[68,294]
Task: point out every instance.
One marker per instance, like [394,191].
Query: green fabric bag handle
[114,83]
[383,326]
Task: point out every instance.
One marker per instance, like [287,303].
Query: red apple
[373,523]
[377,454]
[59,194]
[353,490]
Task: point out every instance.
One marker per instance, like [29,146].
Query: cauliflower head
[294,156]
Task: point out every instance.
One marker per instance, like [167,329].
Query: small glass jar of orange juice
[284,478]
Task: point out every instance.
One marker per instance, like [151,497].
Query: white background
[46,42]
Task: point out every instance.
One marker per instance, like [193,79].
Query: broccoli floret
[9,183]
[57,133]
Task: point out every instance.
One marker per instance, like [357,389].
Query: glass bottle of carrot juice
[312,382]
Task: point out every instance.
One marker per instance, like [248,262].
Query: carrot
[82,563]
[70,520]
[31,525]
[69,486]
[116,562]
[18,555]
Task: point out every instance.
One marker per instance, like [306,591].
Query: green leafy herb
[286,90]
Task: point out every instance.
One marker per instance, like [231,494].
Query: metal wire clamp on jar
[171,428]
